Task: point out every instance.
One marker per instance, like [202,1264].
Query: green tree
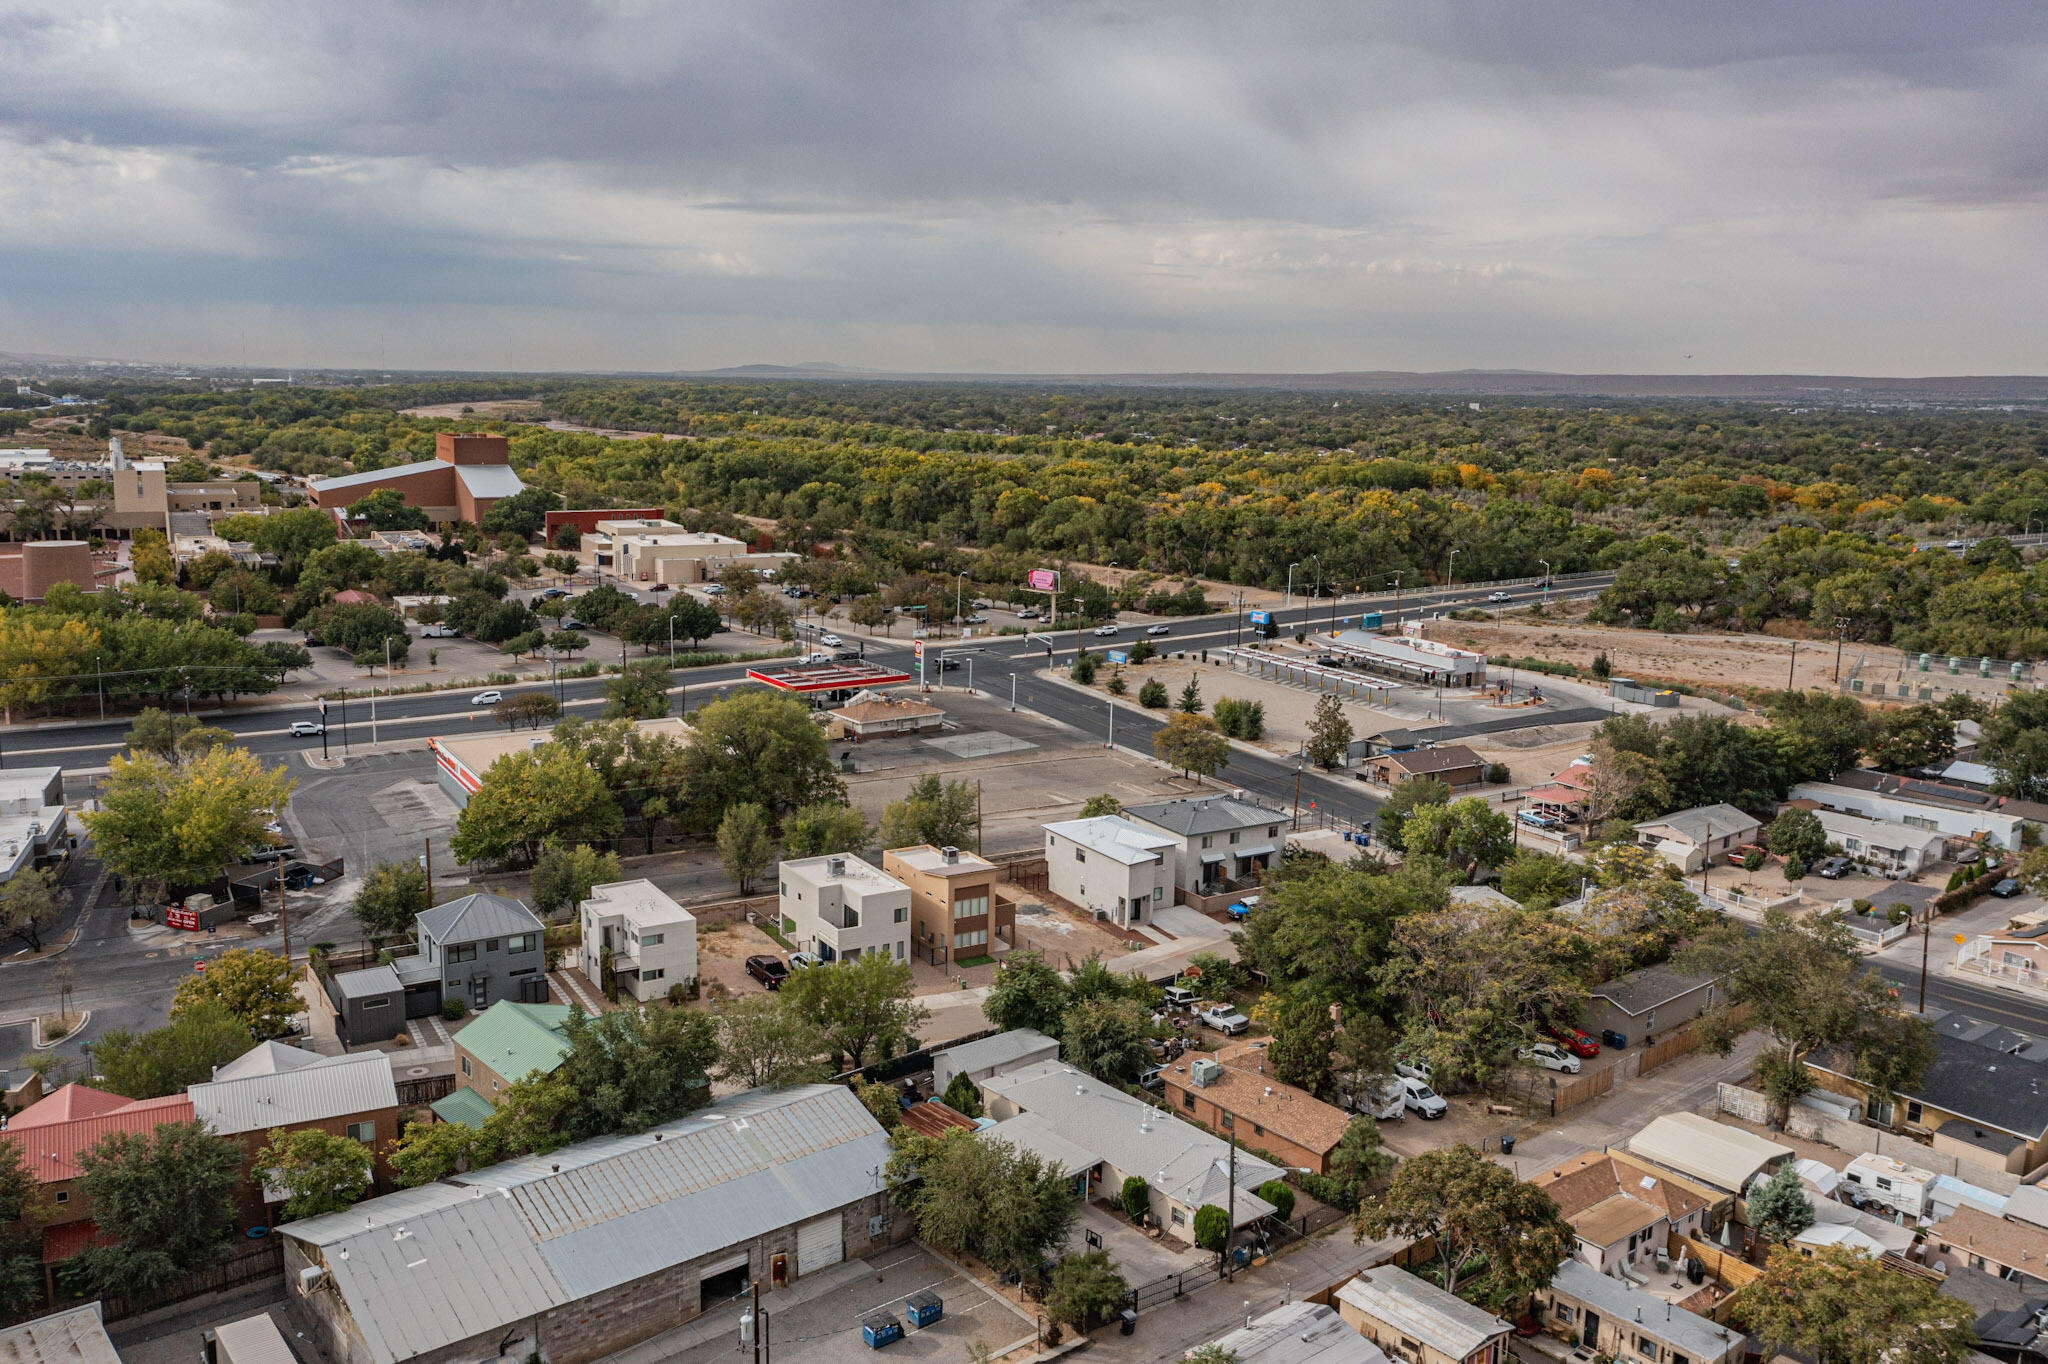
[1359,1162]
[1329,733]
[1106,1038]
[1085,1287]
[1084,668]
[1779,1210]
[1026,993]
[530,708]
[1136,1198]
[1912,737]
[563,877]
[630,1070]
[30,903]
[745,849]
[1280,1196]
[881,1103]
[640,692]
[1407,797]
[1190,702]
[426,1152]
[386,509]
[549,794]
[764,1043]
[149,556]
[165,1198]
[754,746]
[524,513]
[1471,1205]
[1193,744]
[823,828]
[2014,742]
[175,825]
[1103,804]
[961,1096]
[167,1060]
[1539,880]
[318,1171]
[1469,834]
[1797,834]
[255,987]
[171,737]
[1819,733]
[1240,719]
[24,1208]
[1152,695]
[942,813]
[864,1005]
[393,895]
[1836,1307]
[1212,1227]
[982,1197]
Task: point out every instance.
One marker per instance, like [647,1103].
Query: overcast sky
[1854,187]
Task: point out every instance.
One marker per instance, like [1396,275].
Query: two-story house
[648,940]
[487,948]
[53,1132]
[1110,867]
[955,912]
[278,1086]
[1217,839]
[838,908]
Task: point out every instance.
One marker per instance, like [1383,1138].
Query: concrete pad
[981,744]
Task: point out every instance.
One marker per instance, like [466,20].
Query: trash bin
[1614,1039]
[923,1308]
[1507,1145]
[1127,1322]
[881,1329]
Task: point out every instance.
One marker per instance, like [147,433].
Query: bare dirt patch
[722,957]
[505,407]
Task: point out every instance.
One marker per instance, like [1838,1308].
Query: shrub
[1084,668]
[1153,695]
[1602,669]
[1498,774]
[1753,860]
[1212,1227]
[453,1010]
[1335,1192]
[1898,913]
[1137,1198]
[1142,651]
[1280,1196]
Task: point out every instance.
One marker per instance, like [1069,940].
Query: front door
[1591,1338]
[479,993]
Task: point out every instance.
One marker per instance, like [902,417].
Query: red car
[1576,1042]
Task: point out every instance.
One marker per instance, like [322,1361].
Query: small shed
[252,1340]
[369,1004]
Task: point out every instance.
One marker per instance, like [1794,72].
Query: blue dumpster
[1614,1039]
[923,1308]
[881,1329]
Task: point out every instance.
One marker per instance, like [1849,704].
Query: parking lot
[818,1319]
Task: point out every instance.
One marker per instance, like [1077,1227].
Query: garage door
[818,1244]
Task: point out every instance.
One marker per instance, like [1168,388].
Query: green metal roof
[464,1106]
[514,1039]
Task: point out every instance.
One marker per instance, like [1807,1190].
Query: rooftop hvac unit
[1204,1072]
[835,866]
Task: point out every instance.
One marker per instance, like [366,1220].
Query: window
[370,1004]
[651,939]
[465,1065]
[785,887]
[975,939]
[1233,838]
[1913,1111]
[902,913]
[1080,856]
[1564,1314]
[1883,1183]
[490,944]
[1258,1131]
[525,971]
[899,949]
[1158,895]
[970,907]
[63,1195]
[1187,1100]
[1272,831]
[523,942]
[1208,840]
[1180,1219]
[1229,1120]
[655,974]
[364,1132]
[494,1086]
[466,952]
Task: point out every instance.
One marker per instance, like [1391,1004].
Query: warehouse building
[598,1246]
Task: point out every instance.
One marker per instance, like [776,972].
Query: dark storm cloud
[1064,185]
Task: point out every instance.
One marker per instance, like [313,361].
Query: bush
[1153,695]
[1142,651]
[1898,913]
[1212,1227]
[1322,1188]
[1084,668]
[1602,669]
[453,1010]
[1280,1196]
[1498,774]
[1137,1198]
[1239,719]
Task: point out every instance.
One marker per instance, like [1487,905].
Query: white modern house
[1894,849]
[651,939]
[839,907]
[1991,825]
[1112,867]
[1216,838]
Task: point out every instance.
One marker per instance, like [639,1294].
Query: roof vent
[950,853]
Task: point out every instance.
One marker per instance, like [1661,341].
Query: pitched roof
[1421,1311]
[885,708]
[1282,1109]
[1693,825]
[374,476]
[430,1266]
[72,1337]
[935,1119]
[2017,1244]
[1975,1079]
[1685,1332]
[489,480]
[1422,762]
[332,1087]
[1300,1333]
[69,1104]
[1000,1050]
[266,1058]
[52,1148]
[372,982]
[1196,815]
[1588,1180]
[1114,837]
[1614,1219]
[465,1106]
[482,915]
[514,1039]
[1724,1157]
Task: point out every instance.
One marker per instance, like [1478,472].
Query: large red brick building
[464,480]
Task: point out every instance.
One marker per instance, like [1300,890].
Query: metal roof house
[1689,838]
[1300,1333]
[1412,1319]
[594,1247]
[1715,1154]
[1613,1317]
[487,947]
[978,1060]
[76,1336]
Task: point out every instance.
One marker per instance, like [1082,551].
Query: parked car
[768,970]
[714,590]
[1411,1068]
[487,698]
[799,960]
[306,729]
[1500,596]
[1955,544]
[439,631]
[1158,630]
[312,641]
[1152,1077]
[1029,613]
[1177,997]
[1105,631]
[275,853]
[1537,819]
[1550,1056]
[1420,1099]
[549,594]
[1834,868]
[831,639]
[948,663]
[1575,1041]
[977,619]
[1969,857]
[1224,1018]
[2006,888]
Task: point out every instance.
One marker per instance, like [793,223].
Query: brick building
[53,1132]
[954,909]
[276,1086]
[1235,1095]
[467,476]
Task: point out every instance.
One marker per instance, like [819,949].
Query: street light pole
[1451,572]
[1841,629]
[100,679]
[1397,603]
[1546,580]
[959,581]
[1288,600]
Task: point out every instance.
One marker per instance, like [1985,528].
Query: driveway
[1141,1258]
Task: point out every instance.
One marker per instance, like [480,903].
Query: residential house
[1984,1098]
[1888,849]
[601,1245]
[1414,1321]
[1643,1003]
[77,1335]
[487,947]
[646,939]
[1621,1213]
[2016,1251]
[468,475]
[2010,1316]
[2018,953]
[997,1055]
[1299,1332]
[955,912]
[1110,867]
[1452,764]
[874,716]
[1086,1127]
[54,1131]
[933,1118]
[1217,838]
[1689,839]
[1231,1093]
[840,908]
[1958,814]
[276,1086]
[509,1041]
[1614,1318]
[1723,1158]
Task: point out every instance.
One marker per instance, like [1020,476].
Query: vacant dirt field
[508,407]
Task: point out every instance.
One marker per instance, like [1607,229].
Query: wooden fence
[413,1093]
[1681,1043]
[260,1260]
[1566,1095]
[1730,1269]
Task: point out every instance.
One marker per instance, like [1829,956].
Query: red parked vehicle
[1576,1042]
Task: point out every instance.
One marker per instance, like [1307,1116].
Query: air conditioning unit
[835,866]
[310,1279]
[1203,1072]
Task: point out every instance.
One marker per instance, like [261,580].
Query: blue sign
[1261,617]
[1117,656]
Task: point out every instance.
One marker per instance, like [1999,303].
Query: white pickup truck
[1224,1018]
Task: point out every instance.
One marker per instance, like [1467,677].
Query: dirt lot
[509,407]
[722,956]
[1288,708]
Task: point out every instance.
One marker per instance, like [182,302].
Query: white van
[1384,1102]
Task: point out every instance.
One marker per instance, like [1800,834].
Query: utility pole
[429,862]
[1926,932]
[284,920]
[1230,1212]
[1112,724]
[1013,693]
[1397,603]
[1297,795]
[753,1319]
[1841,628]
[1794,663]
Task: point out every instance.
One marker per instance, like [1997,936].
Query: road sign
[1260,617]
[1043,580]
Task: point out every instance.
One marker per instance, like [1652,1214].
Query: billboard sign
[1261,617]
[918,650]
[1117,656]
[1043,580]
[182,918]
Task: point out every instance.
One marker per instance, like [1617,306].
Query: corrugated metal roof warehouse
[596,1246]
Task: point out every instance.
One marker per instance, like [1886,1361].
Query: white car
[305,729]
[1420,1099]
[715,590]
[1224,1018]
[1104,631]
[833,640]
[1411,1068]
[439,632]
[799,960]
[487,698]
[1550,1056]
[1158,630]
[1500,596]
